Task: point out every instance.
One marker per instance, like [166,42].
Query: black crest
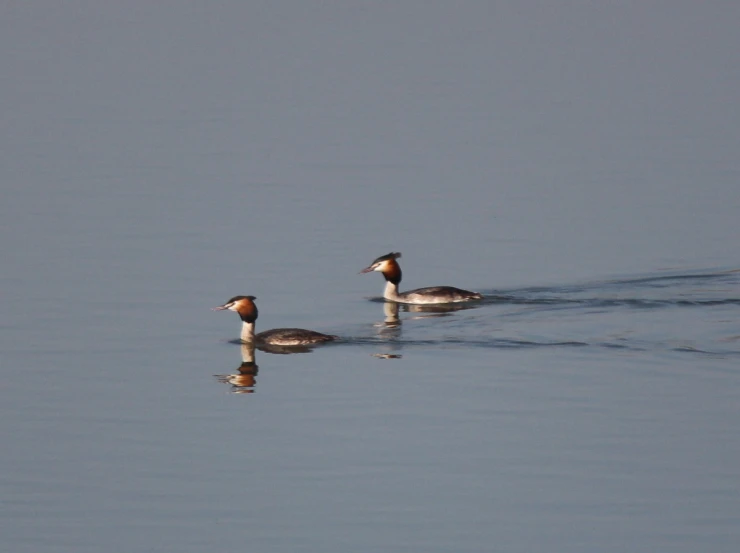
[386,257]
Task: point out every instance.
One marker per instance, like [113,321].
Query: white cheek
[232,307]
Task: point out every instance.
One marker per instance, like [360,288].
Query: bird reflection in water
[244,380]
[393,321]
[440,310]
[390,314]
[390,327]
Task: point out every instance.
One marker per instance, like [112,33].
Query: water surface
[575,164]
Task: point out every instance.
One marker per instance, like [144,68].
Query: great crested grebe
[247,310]
[391,270]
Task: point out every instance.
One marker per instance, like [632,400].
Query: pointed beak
[366,270]
[219,308]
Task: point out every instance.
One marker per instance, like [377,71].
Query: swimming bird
[245,307]
[391,270]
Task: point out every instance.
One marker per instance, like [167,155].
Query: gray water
[576,163]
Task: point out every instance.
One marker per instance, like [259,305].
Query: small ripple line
[607,302]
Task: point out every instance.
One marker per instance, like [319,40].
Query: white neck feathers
[391,291]
[247,334]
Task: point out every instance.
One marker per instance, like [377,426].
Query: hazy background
[158,158]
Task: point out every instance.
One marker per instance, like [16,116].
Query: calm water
[578,165]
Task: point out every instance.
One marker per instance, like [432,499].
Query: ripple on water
[682,313]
